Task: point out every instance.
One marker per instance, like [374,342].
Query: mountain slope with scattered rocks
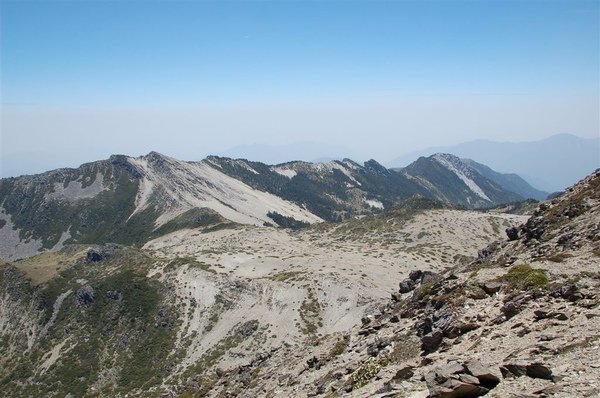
[193,307]
[482,303]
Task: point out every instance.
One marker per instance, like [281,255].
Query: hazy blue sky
[84,79]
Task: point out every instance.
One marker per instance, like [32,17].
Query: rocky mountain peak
[374,167]
[158,159]
[153,190]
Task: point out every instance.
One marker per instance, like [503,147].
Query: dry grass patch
[45,266]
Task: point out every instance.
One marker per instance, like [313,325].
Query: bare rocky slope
[522,320]
[419,300]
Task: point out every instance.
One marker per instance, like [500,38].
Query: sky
[80,80]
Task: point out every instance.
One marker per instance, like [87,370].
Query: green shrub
[339,347]
[364,373]
[522,276]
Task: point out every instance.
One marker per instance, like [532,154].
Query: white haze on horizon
[35,137]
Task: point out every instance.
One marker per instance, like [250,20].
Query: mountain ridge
[129,199]
[550,164]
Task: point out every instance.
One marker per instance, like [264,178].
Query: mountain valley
[227,278]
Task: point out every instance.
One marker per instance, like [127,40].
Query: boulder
[491,287]
[486,376]
[451,368]
[375,348]
[513,370]
[99,253]
[568,292]
[476,293]
[466,378]
[415,275]
[534,228]
[84,297]
[515,304]
[534,370]
[114,295]
[407,285]
[428,277]
[314,363]
[404,374]
[539,371]
[457,389]
[396,297]
[487,252]
[247,328]
[542,314]
[454,380]
[431,341]
[512,233]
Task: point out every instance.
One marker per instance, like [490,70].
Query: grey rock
[407,285]
[569,292]
[486,375]
[99,253]
[487,252]
[375,348]
[429,277]
[477,293]
[415,275]
[513,370]
[396,297]
[114,295]
[404,374]
[542,314]
[462,390]
[84,297]
[314,363]
[533,370]
[466,378]
[452,381]
[512,233]
[431,341]
[539,371]
[515,304]
[491,287]
[452,367]
[247,328]
[561,316]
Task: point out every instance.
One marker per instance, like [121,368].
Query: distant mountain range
[551,164]
[509,181]
[456,180]
[130,200]
[273,154]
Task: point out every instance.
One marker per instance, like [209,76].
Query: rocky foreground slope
[522,320]
[481,303]
[168,318]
